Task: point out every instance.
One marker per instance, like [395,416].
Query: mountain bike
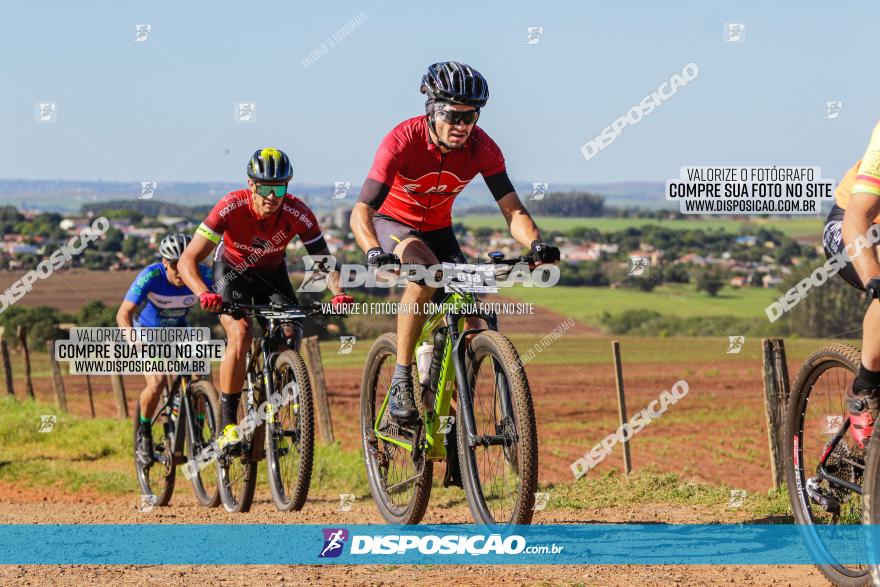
[275,415]
[825,467]
[187,415]
[493,445]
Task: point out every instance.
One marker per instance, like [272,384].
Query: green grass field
[586,304]
[96,455]
[794,227]
[591,350]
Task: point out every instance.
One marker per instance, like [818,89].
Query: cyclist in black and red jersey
[255,225]
[404,211]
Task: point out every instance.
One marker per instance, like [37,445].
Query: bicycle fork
[466,400]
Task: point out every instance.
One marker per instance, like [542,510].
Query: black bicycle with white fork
[275,415]
[183,427]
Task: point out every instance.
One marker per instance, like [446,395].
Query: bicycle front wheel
[290,433]
[499,465]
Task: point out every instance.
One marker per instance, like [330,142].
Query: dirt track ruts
[19,505]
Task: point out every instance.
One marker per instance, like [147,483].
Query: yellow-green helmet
[269,165]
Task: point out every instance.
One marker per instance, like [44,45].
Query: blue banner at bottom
[290,544]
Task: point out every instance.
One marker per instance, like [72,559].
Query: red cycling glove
[340,300]
[211,302]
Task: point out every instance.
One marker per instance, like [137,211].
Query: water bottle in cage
[429,391]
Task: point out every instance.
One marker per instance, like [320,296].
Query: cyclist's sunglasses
[264,190]
[457,117]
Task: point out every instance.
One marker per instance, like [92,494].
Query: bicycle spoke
[498,478]
[819,413]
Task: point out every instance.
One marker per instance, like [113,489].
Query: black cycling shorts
[257,286]
[832,242]
[254,285]
[442,241]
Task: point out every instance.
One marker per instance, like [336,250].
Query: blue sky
[164,109]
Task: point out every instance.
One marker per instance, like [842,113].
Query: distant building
[693,259]
[574,253]
[341,217]
[747,240]
[171,220]
[770,281]
[14,248]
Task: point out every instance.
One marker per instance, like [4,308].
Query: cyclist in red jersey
[404,211]
[253,227]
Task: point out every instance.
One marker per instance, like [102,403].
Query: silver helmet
[172,246]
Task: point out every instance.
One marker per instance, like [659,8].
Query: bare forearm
[189,273]
[188,264]
[523,228]
[124,319]
[333,283]
[362,227]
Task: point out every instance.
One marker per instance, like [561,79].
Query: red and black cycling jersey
[412,182]
[251,241]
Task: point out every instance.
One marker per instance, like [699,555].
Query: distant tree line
[136,210]
[574,204]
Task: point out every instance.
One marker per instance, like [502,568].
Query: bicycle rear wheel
[871,500]
[401,485]
[816,413]
[157,478]
[499,468]
[206,414]
[237,473]
[290,433]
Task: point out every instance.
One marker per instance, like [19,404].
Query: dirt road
[42,506]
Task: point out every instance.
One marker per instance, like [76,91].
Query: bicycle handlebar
[270,308]
[497,258]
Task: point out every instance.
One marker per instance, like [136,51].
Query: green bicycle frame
[435,448]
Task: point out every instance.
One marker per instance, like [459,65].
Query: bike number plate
[474,278]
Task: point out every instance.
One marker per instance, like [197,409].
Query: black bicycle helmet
[455,82]
[269,165]
[172,246]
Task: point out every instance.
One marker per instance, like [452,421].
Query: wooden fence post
[119,393]
[21,333]
[57,381]
[7,364]
[775,384]
[781,366]
[89,391]
[319,388]
[621,403]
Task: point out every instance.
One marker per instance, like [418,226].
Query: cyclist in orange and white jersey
[856,209]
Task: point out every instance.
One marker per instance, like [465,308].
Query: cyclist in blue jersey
[165,302]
